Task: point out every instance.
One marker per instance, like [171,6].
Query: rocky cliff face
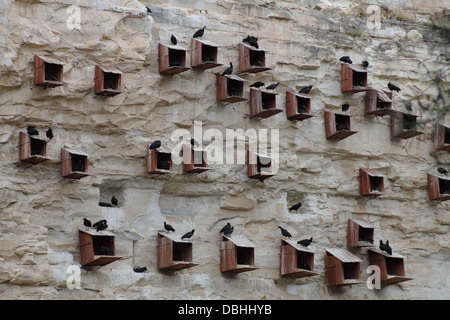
[40,212]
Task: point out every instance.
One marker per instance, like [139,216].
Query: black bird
[305,266]
[49,133]
[104,204]
[272,86]
[385,247]
[295,207]
[408,106]
[345,106]
[257,84]
[251,40]
[139,269]
[188,235]
[114,201]
[346,59]
[365,63]
[199,33]
[228,71]
[194,142]
[51,78]
[165,165]
[365,239]
[305,242]
[148,9]
[32,131]
[227,229]
[285,233]
[87,223]
[105,251]
[173,39]
[100,225]
[155,145]
[341,126]
[393,87]
[168,227]
[305,90]
[442,170]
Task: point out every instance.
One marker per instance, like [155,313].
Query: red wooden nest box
[32,149]
[203,54]
[230,88]
[371,182]
[392,267]
[97,248]
[378,102]
[74,163]
[298,106]
[174,253]
[353,78]
[194,159]
[107,81]
[172,59]
[48,72]
[296,261]
[259,166]
[237,254]
[263,104]
[252,60]
[159,160]
[359,233]
[342,267]
[337,126]
[442,137]
[403,125]
[438,188]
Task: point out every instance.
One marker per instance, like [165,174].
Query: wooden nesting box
[171,59]
[296,261]
[359,233]
[48,72]
[263,104]
[32,149]
[259,166]
[237,254]
[174,253]
[371,182]
[337,126]
[203,54]
[342,267]
[378,102]
[438,188]
[74,163]
[251,59]
[298,106]
[194,159]
[403,126]
[159,160]
[353,78]
[392,267]
[230,88]
[97,247]
[442,137]
[107,81]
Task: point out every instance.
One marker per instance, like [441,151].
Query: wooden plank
[330,124]
[228,256]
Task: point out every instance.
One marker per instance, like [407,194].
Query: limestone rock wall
[40,212]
